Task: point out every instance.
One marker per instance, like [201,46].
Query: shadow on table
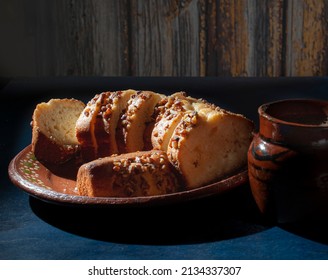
[227,216]
[313,230]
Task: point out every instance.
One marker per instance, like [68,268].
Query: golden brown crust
[128,175]
[47,150]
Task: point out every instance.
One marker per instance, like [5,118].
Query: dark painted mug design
[288,160]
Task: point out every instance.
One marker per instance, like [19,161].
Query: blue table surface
[227,226]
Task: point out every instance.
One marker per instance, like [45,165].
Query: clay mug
[288,161]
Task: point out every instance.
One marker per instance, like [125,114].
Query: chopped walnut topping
[175,143]
[116,168]
[195,163]
[194,119]
[87,112]
[138,160]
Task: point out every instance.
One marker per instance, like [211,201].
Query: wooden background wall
[164,37]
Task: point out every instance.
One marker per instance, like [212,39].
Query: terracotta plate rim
[52,196]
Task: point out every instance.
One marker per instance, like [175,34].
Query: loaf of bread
[165,143]
[53,130]
[144,173]
[84,129]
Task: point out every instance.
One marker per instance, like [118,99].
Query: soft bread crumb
[57,119]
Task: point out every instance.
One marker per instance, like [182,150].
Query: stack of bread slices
[141,143]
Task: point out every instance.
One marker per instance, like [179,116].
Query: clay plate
[27,173]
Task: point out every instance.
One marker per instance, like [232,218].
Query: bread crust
[49,151]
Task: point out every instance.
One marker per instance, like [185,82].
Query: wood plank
[81,37]
[164,37]
[267,37]
[167,38]
[17,56]
[276,38]
[249,37]
[212,40]
[306,44]
[232,39]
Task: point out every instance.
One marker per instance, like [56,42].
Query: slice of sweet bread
[208,144]
[133,123]
[112,105]
[100,133]
[143,173]
[169,113]
[85,127]
[53,130]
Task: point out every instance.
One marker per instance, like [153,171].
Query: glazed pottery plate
[27,173]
